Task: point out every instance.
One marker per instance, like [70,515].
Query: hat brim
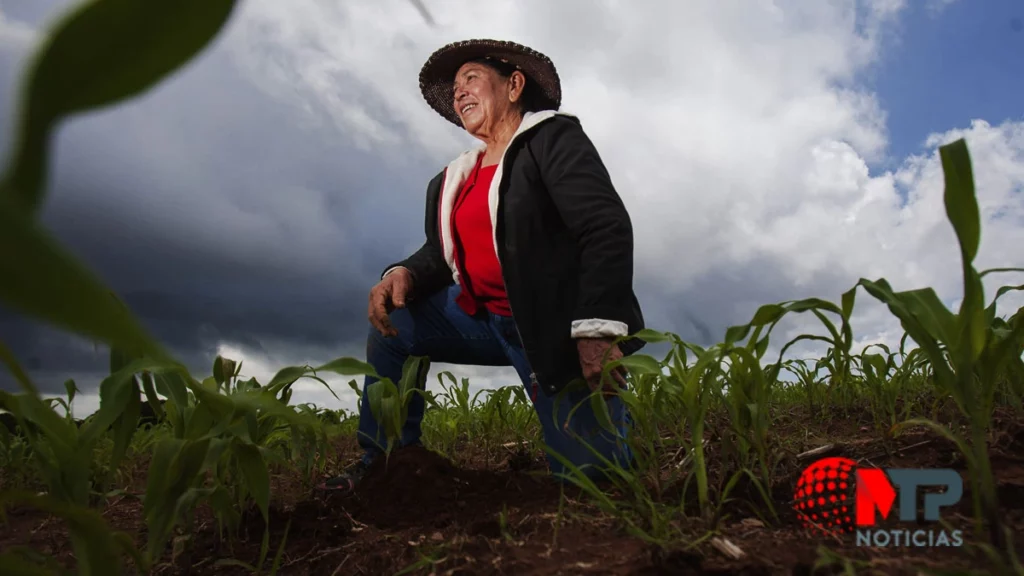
[437,76]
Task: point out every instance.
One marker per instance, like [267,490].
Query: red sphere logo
[823,499]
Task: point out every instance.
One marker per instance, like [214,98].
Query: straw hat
[437,76]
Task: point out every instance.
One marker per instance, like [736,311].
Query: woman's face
[482,97]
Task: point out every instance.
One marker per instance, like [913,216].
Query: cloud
[250,202]
[740,140]
[936,7]
[14,34]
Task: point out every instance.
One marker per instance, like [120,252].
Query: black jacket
[563,237]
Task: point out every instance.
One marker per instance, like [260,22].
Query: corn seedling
[967,350]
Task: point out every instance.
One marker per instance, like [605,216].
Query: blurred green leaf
[99,53]
[71,389]
[257,478]
[173,471]
[97,551]
[61,291]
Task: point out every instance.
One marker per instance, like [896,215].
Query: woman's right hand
[390,293]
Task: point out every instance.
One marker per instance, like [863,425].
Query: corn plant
[690,388]
[748,394]
[811,385]
[76,69]
[968,349]
[389,401]
[63,455]
[16,460]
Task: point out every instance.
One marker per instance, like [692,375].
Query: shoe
[347,480]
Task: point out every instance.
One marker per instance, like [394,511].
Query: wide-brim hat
[437,77]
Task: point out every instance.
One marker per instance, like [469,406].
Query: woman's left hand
[592,355]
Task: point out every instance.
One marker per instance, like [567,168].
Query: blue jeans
[438,328]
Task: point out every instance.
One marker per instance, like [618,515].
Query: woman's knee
[400,343]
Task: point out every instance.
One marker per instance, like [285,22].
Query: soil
[507,518]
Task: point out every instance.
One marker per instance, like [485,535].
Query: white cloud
[737,136]
[263,366]
[935,7]
[15,34]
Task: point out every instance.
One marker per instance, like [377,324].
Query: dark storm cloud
[221,214]
[217,213]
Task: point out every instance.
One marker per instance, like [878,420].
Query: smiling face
[483,99]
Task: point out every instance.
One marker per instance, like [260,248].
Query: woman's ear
[516,84]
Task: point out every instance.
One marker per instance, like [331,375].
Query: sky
[767,150]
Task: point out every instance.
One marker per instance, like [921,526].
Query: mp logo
[836,496]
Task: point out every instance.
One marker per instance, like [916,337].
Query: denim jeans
[438,328]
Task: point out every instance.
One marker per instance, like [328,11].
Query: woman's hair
[528,100]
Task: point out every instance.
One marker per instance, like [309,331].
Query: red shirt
[475,258]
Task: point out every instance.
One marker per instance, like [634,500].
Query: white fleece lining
[454,177]
[598,328]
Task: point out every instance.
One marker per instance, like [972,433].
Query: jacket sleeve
[427,265]
[584,196]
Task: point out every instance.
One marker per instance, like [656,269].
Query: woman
[528,259]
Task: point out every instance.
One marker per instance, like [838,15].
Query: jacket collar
[459,169]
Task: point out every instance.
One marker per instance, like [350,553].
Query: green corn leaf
[15,565]
[221,407]
[414,374]
[349,367]
[96,550]
[100,53]
[652,336]
[761,347]
[126,425]
[960,201]
[179,463]
[1005,346]
[61,434]
[224,507]
[223,370]
[286,376]
[322,383]
[847,302]
[355,388]
[71,389]
[173,386]
[158,477]
[963,213]
[151,397]
[927,334]
[770,314]
[198,422]
[218,447]
[637,364]
[60,290]
[261,402]
[990,312]
[120,358]
[254,470]
[115,391]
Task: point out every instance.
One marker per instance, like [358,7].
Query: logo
[834,496]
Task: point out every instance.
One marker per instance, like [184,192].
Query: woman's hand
[390,293]
[592,357]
